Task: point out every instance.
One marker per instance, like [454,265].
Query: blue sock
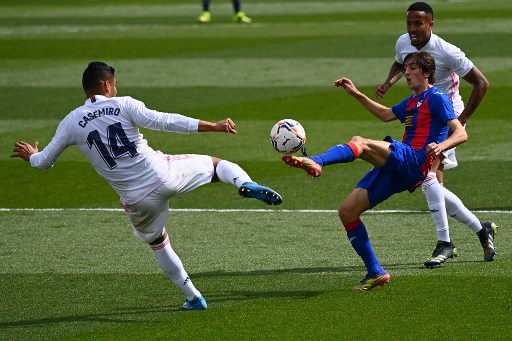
[338,154]
[361,243]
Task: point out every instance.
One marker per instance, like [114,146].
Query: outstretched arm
[480,86]
[225,126]
[380,111]
[395,73]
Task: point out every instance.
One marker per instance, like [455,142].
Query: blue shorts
[403,171]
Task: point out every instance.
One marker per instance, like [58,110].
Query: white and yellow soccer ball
[287,136]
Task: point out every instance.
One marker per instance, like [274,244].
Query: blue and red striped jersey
[425,116]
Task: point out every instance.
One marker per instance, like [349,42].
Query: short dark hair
[421,7]
[425,62]
[95,73]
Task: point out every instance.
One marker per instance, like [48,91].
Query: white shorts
[449,160]
[186,173]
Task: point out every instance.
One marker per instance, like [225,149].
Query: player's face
[419,27]
[417,80]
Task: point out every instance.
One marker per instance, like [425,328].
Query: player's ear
[106,87]
[427,76]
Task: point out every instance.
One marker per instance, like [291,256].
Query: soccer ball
[287,136]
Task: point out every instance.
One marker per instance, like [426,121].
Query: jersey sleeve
[399,46]
[400,109]
[62,139]
[456,60]
[156,120]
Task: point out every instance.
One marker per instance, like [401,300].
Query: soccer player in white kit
[451,63]
[106,130]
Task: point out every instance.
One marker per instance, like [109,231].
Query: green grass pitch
[70,267]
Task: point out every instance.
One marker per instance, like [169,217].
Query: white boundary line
[228,210]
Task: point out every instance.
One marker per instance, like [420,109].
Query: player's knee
[356,139]
[160,239]
[346,215]
[215,161]
[359,141]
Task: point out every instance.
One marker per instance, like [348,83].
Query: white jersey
[451,63]
[106,131]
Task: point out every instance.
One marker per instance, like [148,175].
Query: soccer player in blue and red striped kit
[452,66]
[398,166]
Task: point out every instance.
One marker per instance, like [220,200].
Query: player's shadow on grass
[127,315]
[118,316]
[356,269]
[238,296]
[272,272]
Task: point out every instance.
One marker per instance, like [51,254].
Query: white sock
[172,266]
[231,173]
[456,209]
[433,191]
